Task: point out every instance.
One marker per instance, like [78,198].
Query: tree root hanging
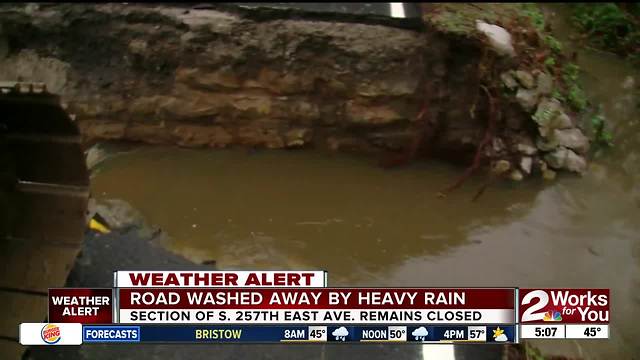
[423,136]
[478,157]
[484,187]
[427,129]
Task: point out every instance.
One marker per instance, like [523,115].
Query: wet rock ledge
[208,78]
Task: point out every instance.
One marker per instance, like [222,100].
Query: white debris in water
[499,38]
[194,225]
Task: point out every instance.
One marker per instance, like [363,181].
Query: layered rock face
[205,78]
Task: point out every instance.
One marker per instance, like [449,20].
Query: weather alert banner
[192,279]
[317,306]
[270,307]
[568,306]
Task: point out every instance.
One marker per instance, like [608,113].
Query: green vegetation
[602,136]
[556,94]
[567,73]
[544,116]
[550,62]
[553,43]
[532,11]
[611,26]
[570,73]
[574,95]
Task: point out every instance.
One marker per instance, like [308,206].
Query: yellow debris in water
[97,226]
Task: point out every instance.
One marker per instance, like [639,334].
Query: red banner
[321,298]
[87,306]
[564,305]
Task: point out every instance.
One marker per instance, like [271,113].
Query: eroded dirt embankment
[205,78]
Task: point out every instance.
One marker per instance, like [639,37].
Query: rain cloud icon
[340,333]
[420,333]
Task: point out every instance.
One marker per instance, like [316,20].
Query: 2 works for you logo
[51,334]
[564,305]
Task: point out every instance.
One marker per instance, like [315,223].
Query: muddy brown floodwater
[369,226]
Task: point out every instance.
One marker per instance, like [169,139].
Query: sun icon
[499,335]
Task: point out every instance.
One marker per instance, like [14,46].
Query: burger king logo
[50,334]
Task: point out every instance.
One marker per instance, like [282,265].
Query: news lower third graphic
[298,307]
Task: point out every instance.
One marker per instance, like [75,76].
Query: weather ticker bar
[339,334]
